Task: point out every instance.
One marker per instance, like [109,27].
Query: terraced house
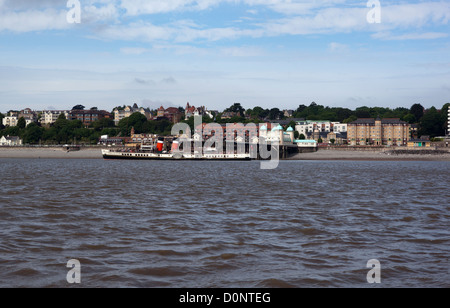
[391,132]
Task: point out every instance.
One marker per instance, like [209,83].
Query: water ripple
[224,224]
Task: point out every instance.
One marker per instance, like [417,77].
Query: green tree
[236,107]
[292,124]
[410,118]
[136,121]
[61,122]
[431,123]
[103,123]
[363,112]
[33,134]
[418,111]
[78,107]
[163,127]
[275,114]
[49,135]
[11,131]
[257,112]
[301,108]
[62,131]
[343,113]
[21,124]
[350,119]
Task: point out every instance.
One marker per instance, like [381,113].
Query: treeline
[65,131]
[432,122]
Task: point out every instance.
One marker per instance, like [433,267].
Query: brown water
[224,224]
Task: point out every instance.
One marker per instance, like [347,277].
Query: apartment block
[391,132]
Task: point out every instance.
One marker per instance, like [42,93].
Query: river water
[224,224]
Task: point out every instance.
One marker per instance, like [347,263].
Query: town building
[88,116]
[172,114]
[338,127]
[306,145]
[323,130]
[246,132]
[277,134]
[106,140]
[337,138]
[127,111]
[288,113]
[191,111]
[136,140]
[229,115]
[391,132]
[10,121]
[419,143]
[229,131]
[414,131]
[29,115]
[49,117]
[10,141]
[448,128]
[307,127]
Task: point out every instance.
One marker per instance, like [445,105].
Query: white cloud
[328,17]
[93,13]
[300,17]
[33,20]
[143,7]
[337,47]
[244,51]
[134,51]
[410,36]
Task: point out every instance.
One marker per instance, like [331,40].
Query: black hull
[114,157]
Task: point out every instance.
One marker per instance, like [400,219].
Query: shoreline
[375,155]
[50,153]
[321,155]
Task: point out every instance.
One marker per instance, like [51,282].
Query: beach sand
[90,153]
[55,153]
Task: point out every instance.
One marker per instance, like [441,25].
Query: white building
[128,111]
[448,129]
[10,141]
[277,134]
[50,116]
[10,121]
[339,127]
[308,127]
[306,144]
[191,111]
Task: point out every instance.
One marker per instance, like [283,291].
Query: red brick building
[89,116]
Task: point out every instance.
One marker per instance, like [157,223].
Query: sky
[267,53]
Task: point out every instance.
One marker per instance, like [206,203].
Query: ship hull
[153,156]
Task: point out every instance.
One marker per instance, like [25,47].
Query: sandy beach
[95,153]
[54,153]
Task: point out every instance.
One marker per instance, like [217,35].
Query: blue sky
[268,53]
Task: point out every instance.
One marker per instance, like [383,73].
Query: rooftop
[371,121]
